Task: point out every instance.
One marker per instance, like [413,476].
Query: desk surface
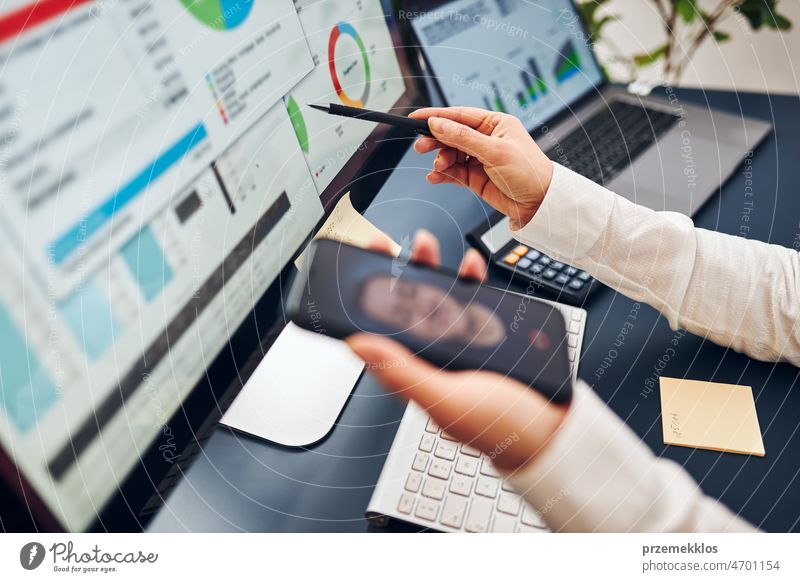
[244,484]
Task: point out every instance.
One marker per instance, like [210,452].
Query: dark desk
[240,483]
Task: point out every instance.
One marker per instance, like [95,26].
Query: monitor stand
[297,391]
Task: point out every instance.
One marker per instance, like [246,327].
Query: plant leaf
[720,36]
[686,9]
[649,58]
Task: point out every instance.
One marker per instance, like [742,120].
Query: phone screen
[454,323]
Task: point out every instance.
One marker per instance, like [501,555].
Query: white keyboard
[432,480]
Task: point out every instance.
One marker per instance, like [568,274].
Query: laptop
[535,61]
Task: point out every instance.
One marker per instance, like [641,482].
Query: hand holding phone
[453,323]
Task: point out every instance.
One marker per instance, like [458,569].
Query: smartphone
[453,323]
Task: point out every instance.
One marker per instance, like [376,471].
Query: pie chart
[219,14]
[338,32]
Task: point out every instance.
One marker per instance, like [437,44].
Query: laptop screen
[530,59]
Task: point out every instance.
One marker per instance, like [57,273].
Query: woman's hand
[496,414]
[490,153]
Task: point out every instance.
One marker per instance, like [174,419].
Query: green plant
[687,25]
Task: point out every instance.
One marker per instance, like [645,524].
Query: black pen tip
[324,108]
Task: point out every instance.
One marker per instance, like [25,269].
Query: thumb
[460,136]
[397,369]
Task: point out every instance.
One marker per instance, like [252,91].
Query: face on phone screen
[428,312]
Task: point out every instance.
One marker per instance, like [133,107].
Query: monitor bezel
[148,484]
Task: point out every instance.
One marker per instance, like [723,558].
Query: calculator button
[533,255]
[521,250]
[545,260]
[577,284]
[549,273]
[537,268]
[584,276]
[511,259]
[556,266]
[562,279]
[571,271]
[524,263]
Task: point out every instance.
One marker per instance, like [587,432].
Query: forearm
[596,475]
[736,292]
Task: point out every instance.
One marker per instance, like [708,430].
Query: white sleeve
[597,475]
[735,292]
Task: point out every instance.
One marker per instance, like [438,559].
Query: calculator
[529,266]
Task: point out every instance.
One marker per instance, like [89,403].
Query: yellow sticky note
[708,415]
[348,225]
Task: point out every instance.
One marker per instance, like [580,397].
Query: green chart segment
[298,123]
[568,63]
[219,14]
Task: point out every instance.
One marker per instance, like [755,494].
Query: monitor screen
[530,59]
[158,169]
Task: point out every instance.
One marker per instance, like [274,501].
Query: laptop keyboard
[611,139]
[454,485]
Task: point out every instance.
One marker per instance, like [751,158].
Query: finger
[462,137]
[427,144]
[381,243]
[425,249]
[479,119]
[445,158]
[473,266]
[396,368]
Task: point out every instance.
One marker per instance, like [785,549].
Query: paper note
[708,415]
[347,225]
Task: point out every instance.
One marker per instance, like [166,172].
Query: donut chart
[344,29]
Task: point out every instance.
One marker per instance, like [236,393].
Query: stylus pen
[418,125]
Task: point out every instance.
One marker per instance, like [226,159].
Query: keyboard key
[576,284]
[508,503]
[572,340]
[440,468]
[413,481]
[521,250]
[479,514]
[432,426]
[448,437]
[427,442]
[427,509]
[434,488]
[461,485]
[406,503]
[420,462]
[524,263]
[531,517]
[504,524]
[487,487]
[471,451]
[577,315]
[446,450]
[574,327]
[453,511]
[571,353]
[506,486]
[511,259]
[467,466]
[562,279]
[533,255]
[488,469]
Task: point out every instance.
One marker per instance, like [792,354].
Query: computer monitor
[158,172]
[530,59]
